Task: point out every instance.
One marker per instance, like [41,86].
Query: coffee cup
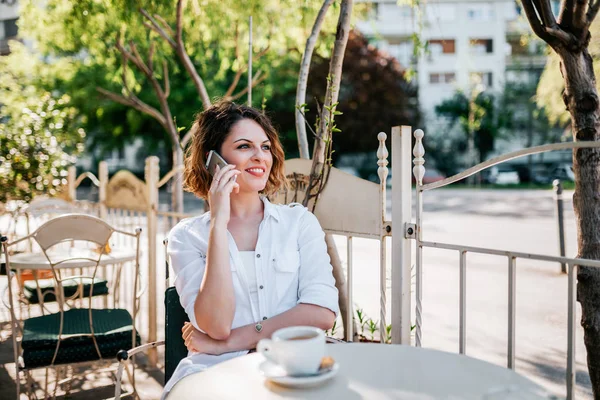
[297,349]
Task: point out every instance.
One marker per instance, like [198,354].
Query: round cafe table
[368,371]
[36,261]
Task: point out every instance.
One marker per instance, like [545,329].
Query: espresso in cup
[297,349]
[305,337]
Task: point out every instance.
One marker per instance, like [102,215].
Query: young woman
[247,267]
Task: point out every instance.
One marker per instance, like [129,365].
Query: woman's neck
[246,205]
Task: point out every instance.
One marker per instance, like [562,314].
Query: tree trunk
[177,193]
[303,81]
[340,284]
[333,87]
[581,99]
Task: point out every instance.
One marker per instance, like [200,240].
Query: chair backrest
[175,317]
[73,227]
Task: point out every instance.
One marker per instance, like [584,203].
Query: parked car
[564,172]
[503,176]
[432,175]
[541,177]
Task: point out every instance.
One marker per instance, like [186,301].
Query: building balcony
[4,48]
[526,61]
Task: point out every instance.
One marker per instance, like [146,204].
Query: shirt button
[261,286]
[258,256]
[264,318]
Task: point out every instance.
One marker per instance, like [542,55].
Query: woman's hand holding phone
[223,184]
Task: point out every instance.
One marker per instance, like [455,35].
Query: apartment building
[470,44]
[9,13]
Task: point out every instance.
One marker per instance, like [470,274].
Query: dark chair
[175,350]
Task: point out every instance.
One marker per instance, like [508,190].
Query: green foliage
[82,35]
[331,332]
[362,319]
[478,115]
[552,84]
[372,327]
[40,133]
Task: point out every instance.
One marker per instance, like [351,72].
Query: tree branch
[241,68]
[565,37]
[239,72]
[536,24]
[311,42]
[134,58]
[592,12]
[545,12]
[164,23]
[255,81]
[153,25]
[565,18]
[166,116]
[167,89]
[134,102]
[179,23]
[309,127]
[579,18]
[150,57]
[187,62]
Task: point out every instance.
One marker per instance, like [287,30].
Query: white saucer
[275,373]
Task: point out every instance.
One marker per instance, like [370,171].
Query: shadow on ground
[87,383]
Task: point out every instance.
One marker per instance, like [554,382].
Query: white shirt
[248,259]
[291,264]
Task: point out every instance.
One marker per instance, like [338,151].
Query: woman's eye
[243,146]
[267,147]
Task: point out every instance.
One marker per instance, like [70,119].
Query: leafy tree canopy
[82,34]
[40,132]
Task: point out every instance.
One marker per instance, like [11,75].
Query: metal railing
[511,256]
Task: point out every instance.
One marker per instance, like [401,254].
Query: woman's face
[249,149]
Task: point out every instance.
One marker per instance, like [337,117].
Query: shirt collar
[270,209]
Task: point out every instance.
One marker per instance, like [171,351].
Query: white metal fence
[415,231]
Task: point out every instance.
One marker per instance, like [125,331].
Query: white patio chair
[78,334]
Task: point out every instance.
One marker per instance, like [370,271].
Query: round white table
[35,261]
[368,371]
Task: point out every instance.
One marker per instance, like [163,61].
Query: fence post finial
[419,160]
[71,178]
[382,158]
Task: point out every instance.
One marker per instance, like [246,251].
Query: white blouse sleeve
[189,264]
[316,282]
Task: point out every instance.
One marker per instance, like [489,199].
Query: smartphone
[213,160]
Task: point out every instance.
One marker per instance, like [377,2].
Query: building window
[403,52]
[481,78]
[442,78]
[481,12]
[440,12]
[10,28]
[442,46]
[481,46]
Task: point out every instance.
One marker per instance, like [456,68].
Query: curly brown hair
[209,131]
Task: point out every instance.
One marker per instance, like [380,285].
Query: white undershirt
[248,261]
